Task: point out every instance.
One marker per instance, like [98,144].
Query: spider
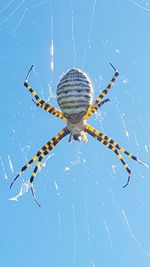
[74,96]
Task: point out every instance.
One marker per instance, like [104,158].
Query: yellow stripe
[61,132]
[119,156]
[84,137]
[38,164]
[39,100]
[114,143]
[102,94]
[89,128]
[51,144]
[34,158]
[96,132]
[64,119]
[98,99]
[28,87]
[126,165]
[33,93]
[43,105]
[48,109]
[57,136]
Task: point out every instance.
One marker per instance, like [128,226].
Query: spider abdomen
[74,94]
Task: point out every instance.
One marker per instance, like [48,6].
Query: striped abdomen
[74,94]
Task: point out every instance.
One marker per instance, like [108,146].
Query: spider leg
[54,141]
[112,145]
[51,110]
[102,94]
[45,152]
[41,103]
[94,109]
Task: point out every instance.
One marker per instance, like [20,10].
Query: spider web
[84,205]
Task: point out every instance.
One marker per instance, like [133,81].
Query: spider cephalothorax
[74,96]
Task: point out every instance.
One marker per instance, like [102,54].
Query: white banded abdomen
[74,94]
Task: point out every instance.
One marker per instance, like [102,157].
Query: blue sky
[86,218]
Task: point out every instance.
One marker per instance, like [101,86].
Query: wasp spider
[74,95]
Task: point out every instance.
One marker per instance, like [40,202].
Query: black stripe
[86,90]
[73,79]
[78,85]
[31,90]
[42,102]
[135,158]
[74,103]
[74,115]
[36,97]
[122,160]
[74,106]
[128,170]
[31,179]
[108,87]
[77,96]
[25,84]
[24,168]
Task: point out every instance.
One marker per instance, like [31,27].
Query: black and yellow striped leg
[45,152]
[111,144]
[104,92]
[115,144]
[93,110]
[52,143]
[107,89]
[41,103]
[111,147]
[51,110]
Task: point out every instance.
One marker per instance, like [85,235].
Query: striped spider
[74,96]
